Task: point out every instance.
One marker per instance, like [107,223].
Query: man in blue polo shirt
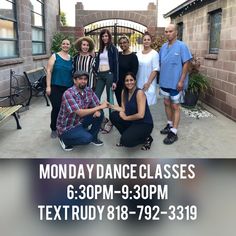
[174,62]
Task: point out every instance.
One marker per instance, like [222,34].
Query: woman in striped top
[84,60]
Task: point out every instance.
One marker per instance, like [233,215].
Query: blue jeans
[80,135]
[104,79]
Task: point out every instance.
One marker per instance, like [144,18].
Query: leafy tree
[159,41]
[63,18]
[56,43]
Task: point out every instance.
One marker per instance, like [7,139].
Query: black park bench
[17,98]
[37,81]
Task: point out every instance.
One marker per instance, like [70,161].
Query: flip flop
[119,145]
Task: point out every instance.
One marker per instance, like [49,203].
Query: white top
[147,63]
[104,58]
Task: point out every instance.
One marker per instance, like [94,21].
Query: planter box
[190,99]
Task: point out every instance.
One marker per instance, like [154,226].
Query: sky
[68,6]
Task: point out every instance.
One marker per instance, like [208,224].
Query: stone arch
[147,18]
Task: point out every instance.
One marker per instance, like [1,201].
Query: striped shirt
[72,101]
[85,63]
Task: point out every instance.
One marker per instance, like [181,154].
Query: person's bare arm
[90,111]
[141,102]
[50,65]
[180,84]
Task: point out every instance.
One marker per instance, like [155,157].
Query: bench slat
[7,111]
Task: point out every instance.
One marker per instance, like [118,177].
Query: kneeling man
[80,108]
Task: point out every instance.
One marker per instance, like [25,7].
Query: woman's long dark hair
[101,43]
[125,89]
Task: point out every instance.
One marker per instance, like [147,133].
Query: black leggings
[55,99]
[118,91]
[132,133]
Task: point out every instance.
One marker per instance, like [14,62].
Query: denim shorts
[173,95]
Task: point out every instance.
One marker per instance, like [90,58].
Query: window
[38,27]
[180,28]
[8,30]
[215,28]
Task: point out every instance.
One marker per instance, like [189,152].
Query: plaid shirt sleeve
[94,99]
[70,103]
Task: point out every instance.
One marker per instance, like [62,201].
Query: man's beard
[82,86]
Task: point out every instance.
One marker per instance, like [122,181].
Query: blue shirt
[171,64]
[62,72]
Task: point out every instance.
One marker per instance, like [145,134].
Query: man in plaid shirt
[80,108]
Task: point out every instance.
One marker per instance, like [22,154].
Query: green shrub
[197,81]
[158,42]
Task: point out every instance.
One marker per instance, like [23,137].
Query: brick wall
[26,61]
[220,69]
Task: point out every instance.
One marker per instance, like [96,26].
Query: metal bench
[5,112]
[17,98]
[37,81]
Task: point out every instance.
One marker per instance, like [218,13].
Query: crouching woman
[133,119]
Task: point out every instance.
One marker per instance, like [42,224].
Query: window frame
[42,29]
[180,29]
[15,30]
[212,31]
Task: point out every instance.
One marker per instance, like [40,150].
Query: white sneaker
[64,147]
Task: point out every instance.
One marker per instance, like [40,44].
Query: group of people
[75,86]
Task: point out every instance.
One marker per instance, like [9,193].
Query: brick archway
[147,18]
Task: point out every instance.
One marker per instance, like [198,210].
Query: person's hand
[96,114]
[48,91]
[111,106]
[115,107]
[146,86]
[122,115]
[180,85]
[113,86]
[104,105]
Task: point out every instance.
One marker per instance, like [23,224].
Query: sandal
[148,143]
[107,128]
[105,120]
[119,145]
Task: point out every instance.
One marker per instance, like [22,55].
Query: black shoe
[148,143]
[97,142]
[171,138]
[166,130]
[64,147]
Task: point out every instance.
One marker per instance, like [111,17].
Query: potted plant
[198,84]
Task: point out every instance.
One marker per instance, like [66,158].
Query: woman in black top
[133,119]
[128,62]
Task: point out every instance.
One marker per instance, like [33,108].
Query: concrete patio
[208,137]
